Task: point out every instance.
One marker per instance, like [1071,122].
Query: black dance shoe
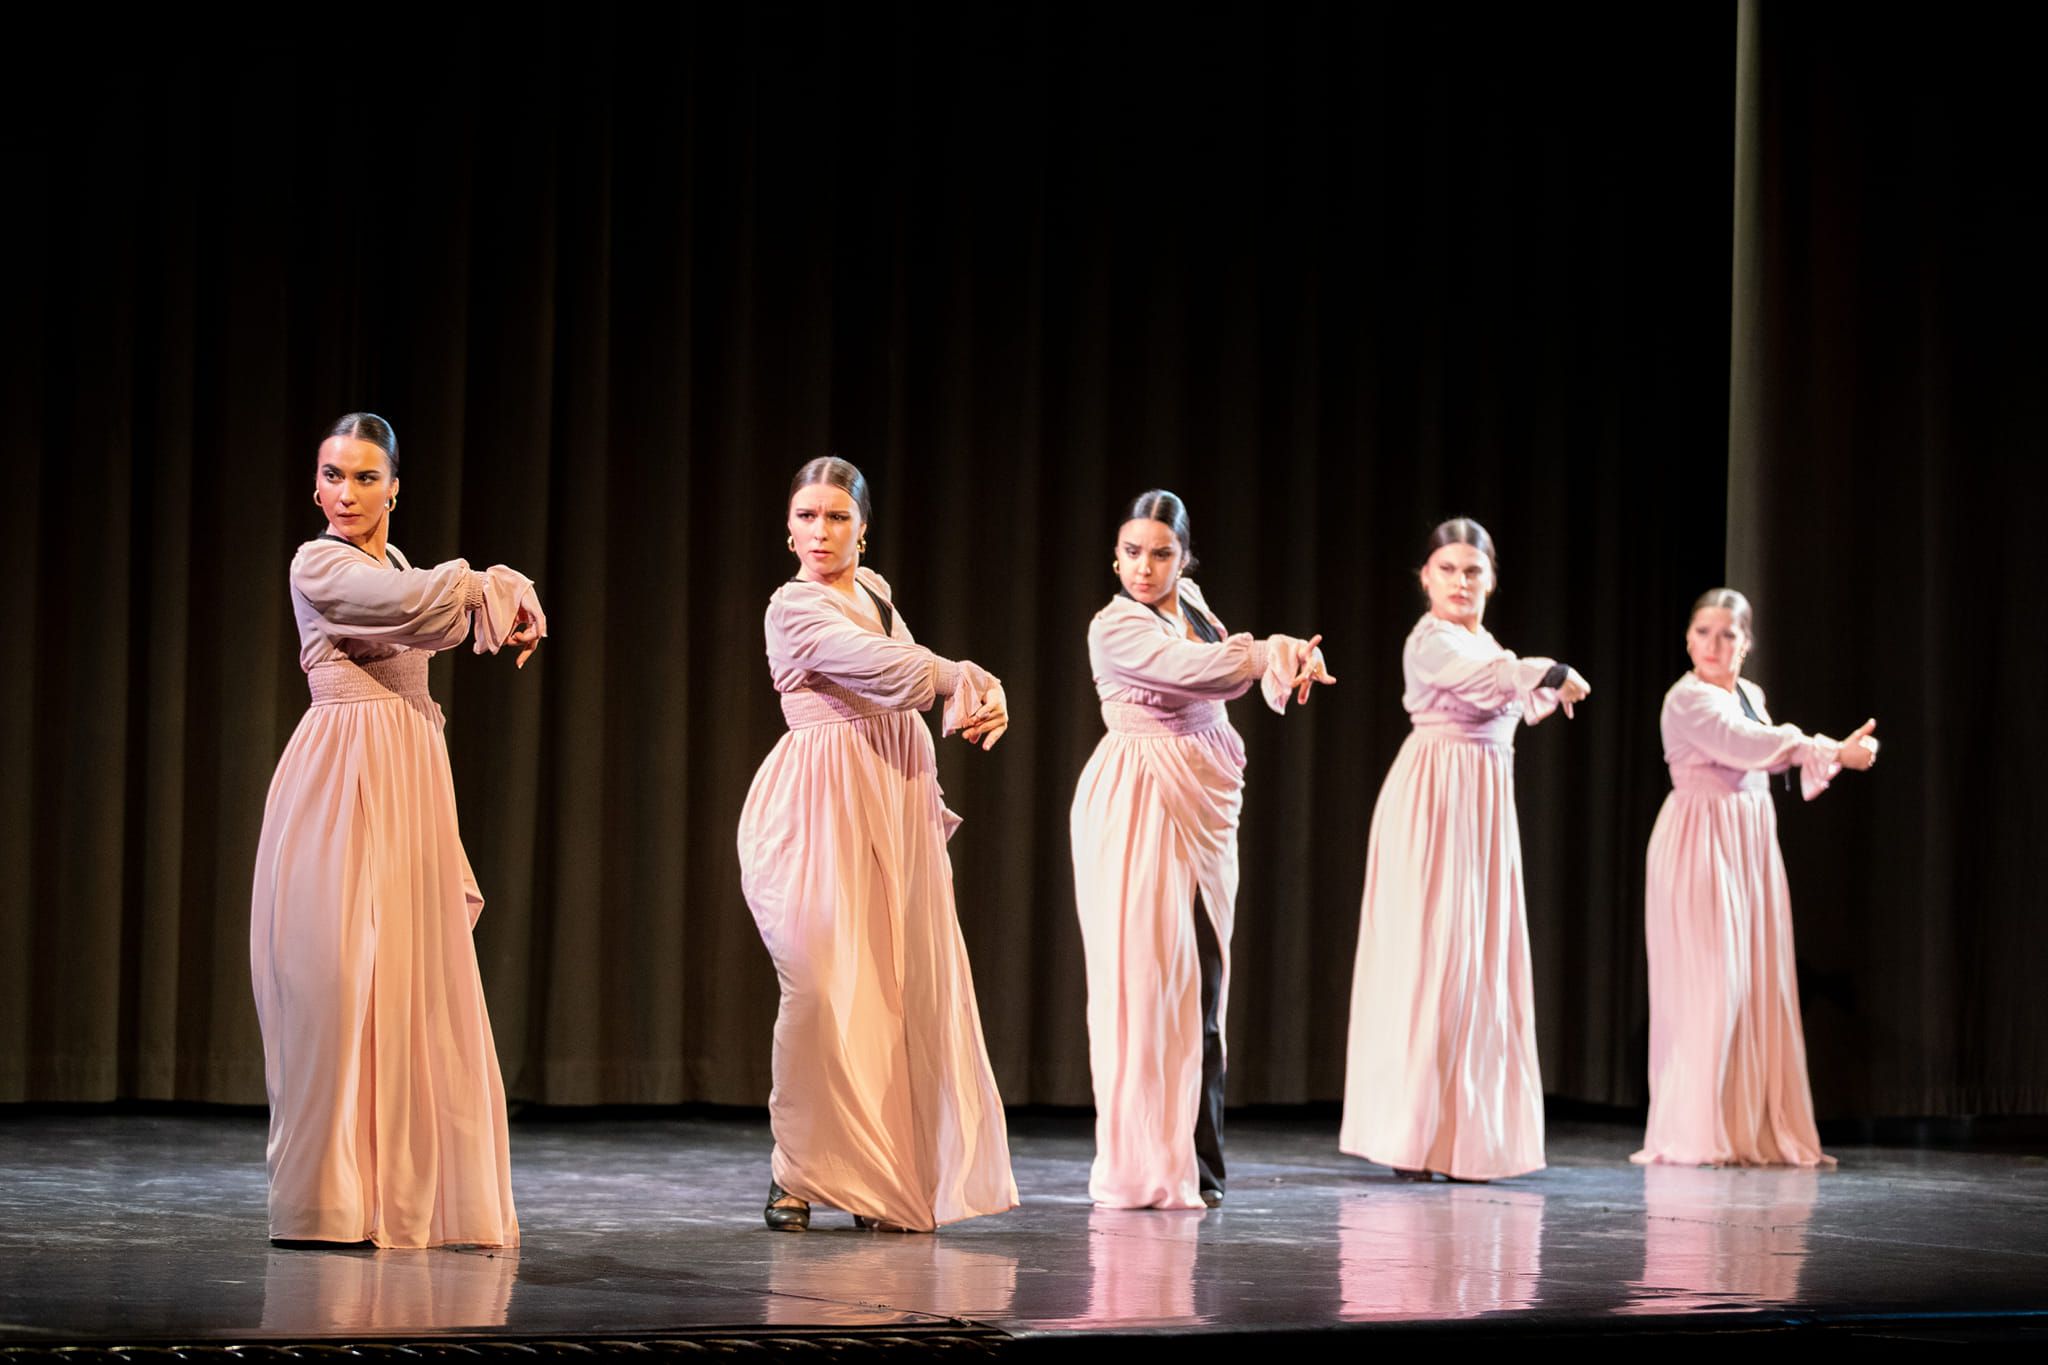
[786,1212]
[1212,1195]
[308,1244]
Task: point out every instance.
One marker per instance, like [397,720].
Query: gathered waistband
[1714,780]
[333,682]
[1129,718]
[1492,730]
[828,704]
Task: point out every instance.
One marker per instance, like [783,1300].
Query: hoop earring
[862,547]
[391,504]
[791,542]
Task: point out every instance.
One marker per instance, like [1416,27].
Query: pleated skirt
[1441,1072]
[1728,1082]
[387,1110]
[884,1103]
[1154,821]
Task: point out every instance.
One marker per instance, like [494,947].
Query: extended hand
[1859,750]
[1309,669]
[1573,688]
[525,634]
[989,720]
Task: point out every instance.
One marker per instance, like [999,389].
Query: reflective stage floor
[150,1228]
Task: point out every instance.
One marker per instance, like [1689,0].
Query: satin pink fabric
[387,1111]
[1441,1072]
[1154,820]
[884,1103]
[1728,1082]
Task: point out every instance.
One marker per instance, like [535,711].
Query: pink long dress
[1154,822]
[884,1103]
[1442,1073]
[1727,1057]
[387,1113]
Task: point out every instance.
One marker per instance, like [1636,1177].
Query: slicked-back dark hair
[838,473]
[368,426]
[1156,504]
[1463,531]
[1736,604]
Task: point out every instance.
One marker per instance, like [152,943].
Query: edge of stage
[139,1231]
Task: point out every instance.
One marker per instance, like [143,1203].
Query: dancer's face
[352,479]
[825,525]
[1458,579]
[1717,645]
[1148,562]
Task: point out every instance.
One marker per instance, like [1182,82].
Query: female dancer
[387,1114]
[1727,1062]
[1155,861]
[1442,1074]
[884,1104]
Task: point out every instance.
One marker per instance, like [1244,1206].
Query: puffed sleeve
[1714,725]
[1283,661]
[357,599]
[502,596]
[1126,648]
[968,687]
[807,634]
[1476,670]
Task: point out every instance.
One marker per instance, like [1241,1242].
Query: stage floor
[151,1228]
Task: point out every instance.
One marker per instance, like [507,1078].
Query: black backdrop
[1332,272]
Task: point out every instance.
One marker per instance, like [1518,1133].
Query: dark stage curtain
[1885,487]
[1331,272]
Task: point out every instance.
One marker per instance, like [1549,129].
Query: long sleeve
[964,685]
[1475,669]
[1709,720]
[808,635]
[502,594]
[1128,649]
[357,599]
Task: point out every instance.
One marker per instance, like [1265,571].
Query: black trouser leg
[1209,1110]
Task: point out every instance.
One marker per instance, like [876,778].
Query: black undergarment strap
[1198,621]
[888,612]
[1556,676]
[329,535]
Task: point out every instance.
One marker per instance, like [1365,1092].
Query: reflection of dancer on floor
[884,1103]
[387,1113]
[1459,1253]
[1715,1241]
[1442,1074]
[1154,830]
[1727,1059]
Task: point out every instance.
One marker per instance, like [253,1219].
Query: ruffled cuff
[504,594]
[1530,677]
[971,685]
[1820,758]
[1276,656]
